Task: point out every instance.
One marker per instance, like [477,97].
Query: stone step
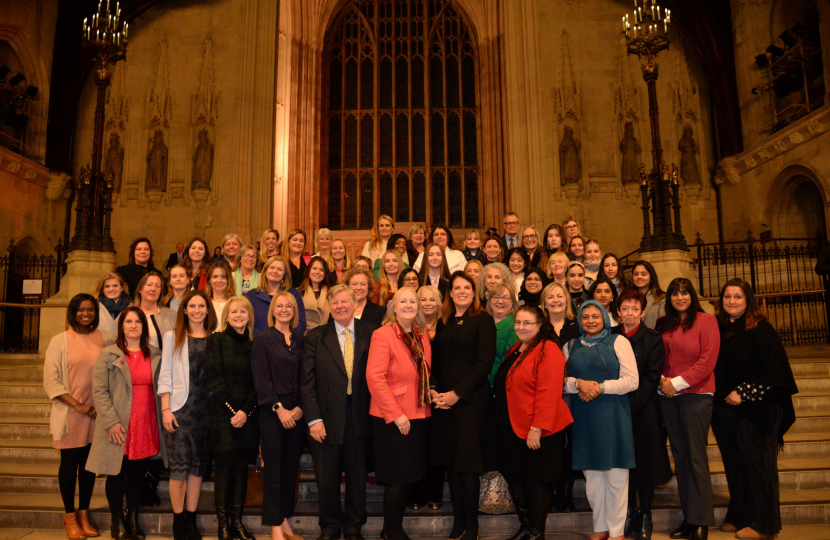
[28,373]
[810,369]
[24,427]
[14,359]
[46,512]
[30,390]
[32,408]
[813,384]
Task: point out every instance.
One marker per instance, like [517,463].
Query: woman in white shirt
[381,232]
[443,237]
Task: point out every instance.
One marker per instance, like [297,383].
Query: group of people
[533,356]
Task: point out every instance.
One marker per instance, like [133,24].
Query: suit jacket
[392,376]
[172,261]
[534,396]
[373,314]
[324,381]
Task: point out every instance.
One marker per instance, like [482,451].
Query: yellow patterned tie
[348,356]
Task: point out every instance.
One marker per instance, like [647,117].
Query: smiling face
[196,310]
[400,245]
[238,316]
[473,240]
[516,264]
[406,309]
[511,225]
[492,277]
[151,291]
[556,302]
[359,285]
[435,257]
[734,302]
[342,307]
[112,288]
[219,281]
[142,253]
[248,260]
[592,321]
[429,304]
[603,295]
[592,252]
[526,326]
[533,283]
[132,326]
[473,269]
[631,311]
[681,300]
[492,248]
[196,252]
[439,236]
[610,267]
[283,310]
[178,279]
[410,279]
[296,245]
[418,237]
[271,242]
[462,294]
[85,314]
[316,273]
[501,303]
[530,240]
[385,228]
[338,251]
[577,247]
[324,242]
[557,267]
[575,278]
[275,273]
[641,277]
[231,247]
[554,240]
[390,264]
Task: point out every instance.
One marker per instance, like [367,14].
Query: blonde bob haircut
[439,299]
[499,288]
[295,319]
[263,251]
[286,276]
[236,300]
[392,318]
[569,307]
[558,256]
[99,290]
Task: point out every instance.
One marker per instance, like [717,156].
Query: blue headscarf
[605,319]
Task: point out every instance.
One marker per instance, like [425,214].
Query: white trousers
[607,493]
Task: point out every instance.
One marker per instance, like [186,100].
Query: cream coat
[174,375]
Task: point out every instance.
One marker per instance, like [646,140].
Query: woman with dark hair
[518,262]
[220,287]
[409,278]
[177,286]
[753,409]
[442,236]
[463,352]
[148,298]
[233,417]
[185,396]
[650,453]
[493,251]
[113,296]
[196,263]
[575,278]
[609,267]
[604,292]
[576,248]
[531,419]
[530,293]
[691,341]
[602,369]
[314,290]
[396,242]
[553,240]
[140,262]
[67,380]
[644,279]
[293,251]
[127,432]
[436,271]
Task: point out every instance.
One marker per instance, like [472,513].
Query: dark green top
[505,338]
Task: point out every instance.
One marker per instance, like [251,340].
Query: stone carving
[206,100]
[159,103]
[157,164]
[203,162]
[688,157]
[114,162]
[796,138]
[630,148]
[57,185]
[569,167]
[781,146]
[815,127]
[118,105]
[750,161]
[566,97]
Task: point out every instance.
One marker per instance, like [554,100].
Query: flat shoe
[728,527]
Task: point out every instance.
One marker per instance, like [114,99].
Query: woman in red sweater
[692,342]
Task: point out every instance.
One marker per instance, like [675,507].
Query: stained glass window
[401,116]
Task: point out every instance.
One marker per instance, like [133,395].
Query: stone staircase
[29,496]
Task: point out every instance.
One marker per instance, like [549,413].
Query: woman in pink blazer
[397,373]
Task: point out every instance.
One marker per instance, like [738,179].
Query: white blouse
[629,377]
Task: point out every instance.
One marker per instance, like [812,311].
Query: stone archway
[798,203]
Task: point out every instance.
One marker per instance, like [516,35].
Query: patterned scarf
[417,350]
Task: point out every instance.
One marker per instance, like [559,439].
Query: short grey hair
[337,289]
[228,237]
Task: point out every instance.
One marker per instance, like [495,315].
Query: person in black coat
[650,452]
[175,258]
[140,262]
[463,434]
[753,409]
[335,400]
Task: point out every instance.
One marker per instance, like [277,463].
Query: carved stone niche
[201,182]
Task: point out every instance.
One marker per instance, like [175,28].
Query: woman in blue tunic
[602,369]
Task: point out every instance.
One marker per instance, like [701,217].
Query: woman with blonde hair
[220,286]
[431,300]
[417,237]
[273,279]
[556,267]
[322,241]
[495,273]
[387,284]
[113,297]
[383,229]
[572,229]
[533,247]
[314,289]
[591,262]
[293,251]
[231,245]
[269,245]
[246,277]
[233,419]
[472,246]
[338,259]
[177,287]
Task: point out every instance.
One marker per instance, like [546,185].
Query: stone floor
[791,532]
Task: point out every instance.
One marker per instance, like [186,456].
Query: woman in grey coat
[125,380]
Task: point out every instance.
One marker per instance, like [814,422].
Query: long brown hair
[754,314]
[183,323]
[226,268]
[672,320]
[448,308]
[423,274]
[144,340]
[328,278]
[187,264]
[285,252]
[654,283]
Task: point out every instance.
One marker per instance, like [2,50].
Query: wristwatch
[276,406]
[602,388]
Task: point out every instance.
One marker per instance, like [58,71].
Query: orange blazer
[392,377]
[534,391]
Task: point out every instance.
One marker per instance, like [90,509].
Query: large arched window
[401,115]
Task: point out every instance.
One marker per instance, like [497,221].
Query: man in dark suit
[510,238]
[175,258]
[335,401]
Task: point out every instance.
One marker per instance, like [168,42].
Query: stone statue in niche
[114,162]
[569,167]
[203,162]
[688,157]
[630,149]
[157,163]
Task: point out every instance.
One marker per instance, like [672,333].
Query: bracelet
[602,388]
[536,429]
[165,410]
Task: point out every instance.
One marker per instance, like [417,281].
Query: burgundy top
[693,354]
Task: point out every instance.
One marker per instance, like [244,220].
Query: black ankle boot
[699,532]
[631,521]
[220,492]
[537,514]
[118,529]
[239,483]
[683,531]
[568,497]
[180,526]
[191,526]
[521,511]
[132,524]
[557,488]
[149,495]
[645,527]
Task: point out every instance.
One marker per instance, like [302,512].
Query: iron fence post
[751,250]
[699,245]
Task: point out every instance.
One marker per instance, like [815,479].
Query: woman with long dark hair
[644,279]
[140,262]
[435,271]
[196,263]
[442,236]
[315,289]
[129,420]
[293,251]
[609,267]
[530,293]
[603,291]
[753,409]
[691,340]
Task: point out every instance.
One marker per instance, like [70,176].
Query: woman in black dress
[531,417]
[462,434]
[139,263]
[184,392]
[753,409]
[233,419]
[650,452]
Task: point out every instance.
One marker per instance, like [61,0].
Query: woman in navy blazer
[274,277]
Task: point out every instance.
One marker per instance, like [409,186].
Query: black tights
[464,489]
[395,499]
[129,482]
[73,465]
[646,497]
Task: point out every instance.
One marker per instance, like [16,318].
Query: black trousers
[329,461]
[748,445]
[73,465]
[129,482]
[281,450]
[687,418]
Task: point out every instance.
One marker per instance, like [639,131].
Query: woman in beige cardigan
[314,290]
[67,380]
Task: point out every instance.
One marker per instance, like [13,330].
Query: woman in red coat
[397,373]
[531,417]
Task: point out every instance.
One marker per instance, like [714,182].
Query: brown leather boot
[73,529]
[86,525]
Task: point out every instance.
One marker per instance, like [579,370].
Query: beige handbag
[494,497]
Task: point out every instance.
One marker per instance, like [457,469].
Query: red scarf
[630,334]
[417,350]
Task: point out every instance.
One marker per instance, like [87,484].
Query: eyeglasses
[500,299]
[533,279]
[248,256]
[410,280]
[574,226]
[524,324]
[511,222]
[528,236]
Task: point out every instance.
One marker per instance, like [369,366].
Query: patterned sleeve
[752,392]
